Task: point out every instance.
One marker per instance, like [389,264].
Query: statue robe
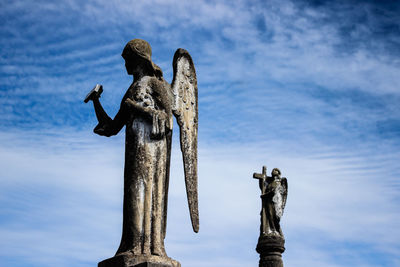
[147,160]
[272,209]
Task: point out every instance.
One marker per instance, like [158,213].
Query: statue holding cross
[273,195]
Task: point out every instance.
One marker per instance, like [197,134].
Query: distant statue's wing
[279,197]
[284,192]
[185,109]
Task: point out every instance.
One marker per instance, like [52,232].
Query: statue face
[129,67]
[276,172]
[135,64]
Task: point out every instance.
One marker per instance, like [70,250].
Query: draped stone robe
[146,112]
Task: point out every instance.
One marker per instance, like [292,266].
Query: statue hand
[159,123]
[135,106]
[158,118]
[130,103]
[94,94]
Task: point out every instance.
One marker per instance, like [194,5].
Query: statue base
[270,249]
[130,260]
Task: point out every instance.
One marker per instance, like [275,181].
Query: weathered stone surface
[273,195]
[129,260]
[270,249]
[146,110]
[185,108]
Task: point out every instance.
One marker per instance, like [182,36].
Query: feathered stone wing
[284,193]
[185,109]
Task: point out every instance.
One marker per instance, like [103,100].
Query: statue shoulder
[157,83]
[161,90]
[129,93]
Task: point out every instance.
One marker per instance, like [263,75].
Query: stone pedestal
[129,260]
[270,249]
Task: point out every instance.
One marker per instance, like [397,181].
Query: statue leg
[273,221]
[132,212]
[137,212]
[277,225]
[263,227]
[148,199]
[158,201]
[134,193]
[269,218]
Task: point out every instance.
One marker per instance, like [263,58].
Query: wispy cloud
[64,195]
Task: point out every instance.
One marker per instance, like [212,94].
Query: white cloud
[64,193]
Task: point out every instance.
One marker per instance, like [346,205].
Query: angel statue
[146,110]
[273,194]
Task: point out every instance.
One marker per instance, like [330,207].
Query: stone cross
[262,177]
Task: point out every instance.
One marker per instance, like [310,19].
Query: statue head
[276,172]
[137,52]
[137,47]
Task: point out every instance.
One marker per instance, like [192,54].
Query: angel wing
[284,192]
[185,109]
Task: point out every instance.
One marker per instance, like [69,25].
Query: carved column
[270,249]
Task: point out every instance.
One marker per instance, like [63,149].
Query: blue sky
[311,87]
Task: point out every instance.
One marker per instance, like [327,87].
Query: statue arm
[261,185]
[158,118]
[146,111]
[107,126]
[270,190]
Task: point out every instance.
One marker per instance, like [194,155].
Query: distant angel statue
[275,200]
[146,110]
[274,190]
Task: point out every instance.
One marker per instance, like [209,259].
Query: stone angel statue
[274,190]
[275,201]
[146,110]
